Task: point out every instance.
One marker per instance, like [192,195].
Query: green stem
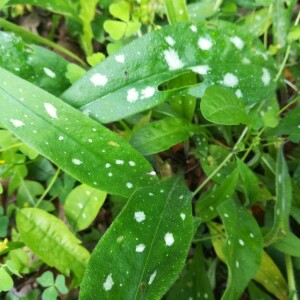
[48,188]
[176,11]
[11,147]
[38,39]
[288,105]
[221,165]
[291,277]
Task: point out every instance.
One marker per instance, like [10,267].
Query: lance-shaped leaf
[283,203]
[38,65]
[77,144]
[243,249]
[161,135]
[50,239]
[130,81]
[82,206]
[65,7]
[142,259]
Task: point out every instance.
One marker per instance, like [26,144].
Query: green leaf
[49,238]
[220,105]
[82,206]
[74,72]
[60,283]
[289,125]
[290,245]
[253,3]
[38,65]
[200,11]
[6,282]
[47,279]
[65,7]
[193,281]
[243,249]
[257,293]
[50,293]
[160,135]
[283,201]
[206,207]
[80,146]
[116,29]
[120,10]
[155,240]
[28,193]
[128,82]
[176,10]
[253,188]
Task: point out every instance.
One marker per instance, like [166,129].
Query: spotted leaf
[142,259]
[82,147]
[131,80]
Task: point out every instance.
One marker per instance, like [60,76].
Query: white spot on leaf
[139,216]
[152,277]
[17,123]
[108,284]
[193,28]
[129,185]
[51,110]
[49,72]
[169,239]
[230,80]
[98,79]
[237,264]
[132,95]
[140,248]
[173,60]
[61,138]
[119,162]
[182,216]
[147,92]
[202,70]
[170,40]
[76,161]
[131,163]
[239,93]
[237,42]
[120,58]
[241,242]
[266,78]
[204,43]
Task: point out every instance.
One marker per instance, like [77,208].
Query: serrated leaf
[127,82]
[65,7]
[49,238]
[82,206]
[220,105]
[243,249]
[80,146]
[38,65]
[283,201]
[289,125]
[206,208]
[143,258]
[160,135]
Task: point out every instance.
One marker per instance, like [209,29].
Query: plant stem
[48,188]
[291,277]
[38,39]
[176,10]
[221,165]
[11,147]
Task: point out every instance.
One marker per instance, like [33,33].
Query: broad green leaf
[6,282]
[253,188]
[268,275]
[283,201]
[193,282]
[60,283]
[50,239]
[80,146]
[206,207]
[47,279]
[142,259]
[253,3]
[176,10]
[28,193]
[290,245]
[200,11]
[50,293]
[38,65]
[220,105]
[256,293]
[243,248]
[65,7]
[128,82]
[289,125]
[82,206]
[120,10]
[161,135]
